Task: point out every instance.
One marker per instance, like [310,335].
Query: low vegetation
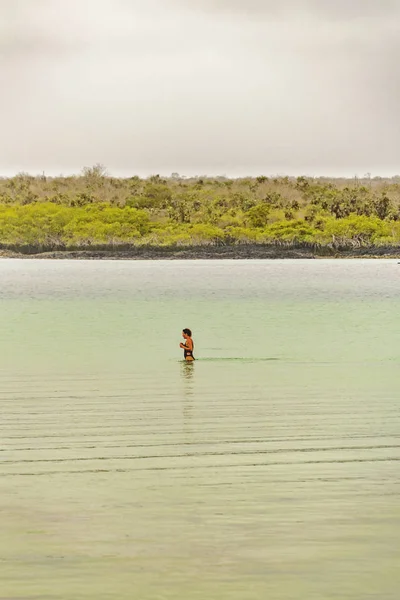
[93,210]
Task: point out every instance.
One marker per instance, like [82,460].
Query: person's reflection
[187,373]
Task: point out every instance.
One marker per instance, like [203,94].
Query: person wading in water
[188,346]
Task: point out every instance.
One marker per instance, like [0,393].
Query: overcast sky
[200,86]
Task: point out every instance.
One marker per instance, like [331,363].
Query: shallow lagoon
[269,468]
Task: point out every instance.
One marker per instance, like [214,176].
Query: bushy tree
[258,215]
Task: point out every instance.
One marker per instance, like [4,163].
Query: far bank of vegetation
[94,210]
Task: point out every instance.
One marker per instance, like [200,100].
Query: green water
[270,468]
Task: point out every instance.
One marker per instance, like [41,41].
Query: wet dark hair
[187,332]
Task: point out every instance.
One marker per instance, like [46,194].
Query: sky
[200,87]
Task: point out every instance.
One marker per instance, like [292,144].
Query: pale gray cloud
[203,86]
[341,10]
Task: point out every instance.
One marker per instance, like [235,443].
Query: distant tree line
[96,209]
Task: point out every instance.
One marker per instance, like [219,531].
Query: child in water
[188,346]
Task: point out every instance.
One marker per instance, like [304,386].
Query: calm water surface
[268,469]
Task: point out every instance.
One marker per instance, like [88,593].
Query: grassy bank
[134,217]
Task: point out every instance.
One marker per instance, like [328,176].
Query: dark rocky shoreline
[234,252]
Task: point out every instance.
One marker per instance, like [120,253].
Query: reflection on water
[127,474]
[187,372]
[187,369]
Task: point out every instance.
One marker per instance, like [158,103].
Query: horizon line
[125,174]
